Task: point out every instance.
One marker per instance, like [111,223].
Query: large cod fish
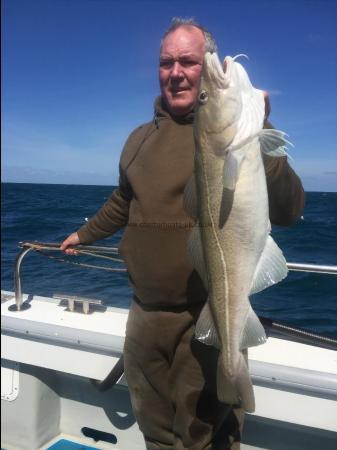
[230,246]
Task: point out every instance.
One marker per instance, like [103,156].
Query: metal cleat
[74,300]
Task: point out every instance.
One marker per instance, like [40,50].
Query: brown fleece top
[156,163]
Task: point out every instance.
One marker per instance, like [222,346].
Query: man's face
[181,60]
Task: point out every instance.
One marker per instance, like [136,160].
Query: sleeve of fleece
[112,216]
[285,190]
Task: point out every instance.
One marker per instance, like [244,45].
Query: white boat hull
[49,354]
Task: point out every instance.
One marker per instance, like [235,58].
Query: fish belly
[243,239]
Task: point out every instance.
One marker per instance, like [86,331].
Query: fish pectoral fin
[271,267]
[233,160]
[190,198]
[253,332]
[196,254]
[205,330]
[273,142]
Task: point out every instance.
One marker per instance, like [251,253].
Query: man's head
[181,58]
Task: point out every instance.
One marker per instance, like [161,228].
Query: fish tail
[236,389]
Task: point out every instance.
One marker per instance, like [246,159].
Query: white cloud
[274,92]
[17,174]
[317,174]
[37,155]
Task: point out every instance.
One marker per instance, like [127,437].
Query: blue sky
[79,75]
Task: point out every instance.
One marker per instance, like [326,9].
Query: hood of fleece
[161,112]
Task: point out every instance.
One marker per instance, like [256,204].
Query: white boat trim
[295,384]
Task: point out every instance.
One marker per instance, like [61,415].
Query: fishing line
[40,247]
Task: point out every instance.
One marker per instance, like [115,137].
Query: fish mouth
[217,73]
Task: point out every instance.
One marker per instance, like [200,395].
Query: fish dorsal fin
[190,203]
[196,255]
[253,332]
[232,163]
[252,114]
[271,267]
[205,330]
[273,142]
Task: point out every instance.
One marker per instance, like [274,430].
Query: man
[171,376]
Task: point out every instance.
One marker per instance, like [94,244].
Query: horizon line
[112,185]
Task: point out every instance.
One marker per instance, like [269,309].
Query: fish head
[218,104]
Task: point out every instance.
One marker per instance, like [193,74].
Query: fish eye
[203,97]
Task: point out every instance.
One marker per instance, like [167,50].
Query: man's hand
[71,240]
[267,107]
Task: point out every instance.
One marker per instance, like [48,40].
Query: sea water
[49,213]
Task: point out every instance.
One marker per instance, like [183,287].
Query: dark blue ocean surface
[49,213]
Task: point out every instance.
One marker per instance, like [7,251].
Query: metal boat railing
[315,268]
[38,246]
[272,328]
[95,251]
